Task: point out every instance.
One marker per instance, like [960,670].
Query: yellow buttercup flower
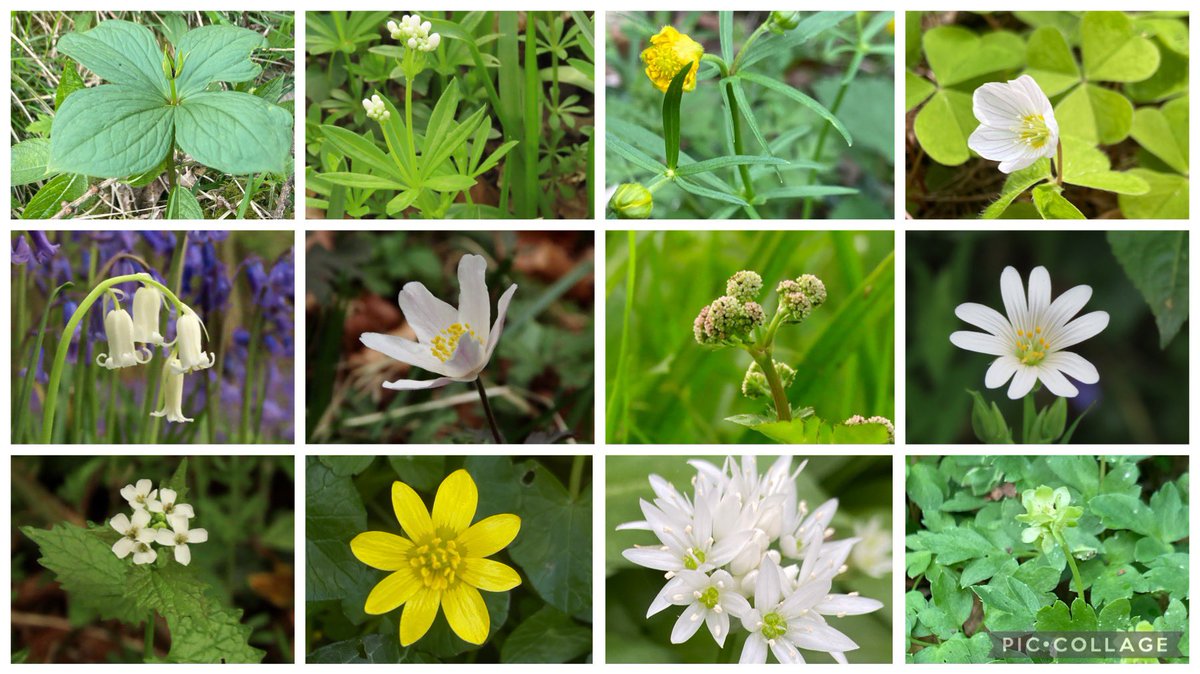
[668,52]
[441,563]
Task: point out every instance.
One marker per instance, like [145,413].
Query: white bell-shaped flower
[189,332]
[179,536]
[172,407]
[147,302]
[118,330]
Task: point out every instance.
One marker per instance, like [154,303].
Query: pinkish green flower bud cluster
[858,419]
[727,321]
[754,384]
[744,286]
[797,298]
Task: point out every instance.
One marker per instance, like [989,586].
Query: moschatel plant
[162,98]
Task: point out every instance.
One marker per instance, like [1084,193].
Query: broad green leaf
[943,125]
[1164,132]
[347,466]
[255,136]
[120,52]
[1058,618]
[110,131]
[383,649]
[917,562]
[363,181]
[1171,78]
[547,636]
[670,115]
[216,53]
[361,150]
[1172,33]
[1051,204]
[1051,62]
[334,514]
[1166,197]
[926,487]
[29,160]
[956,54]
[423,473]
[1157,264]
[49,199]
[68,83]
[916,90]
[799,97]
[146,177]
[449,183]
[1094,114]
[1080,472]
[1113,51]
[182,205]
[1122,511]
[957,545]
[1168,573]
[1015,185]
[85,566]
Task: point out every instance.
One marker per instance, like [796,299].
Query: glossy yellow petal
[418,615]
[466,613]
[392,592]
[489,575]
[381,550]
[489,536]
[410,511]
[454,505]
[668,52]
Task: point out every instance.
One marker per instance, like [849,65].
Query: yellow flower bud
[668,52]
[631,201]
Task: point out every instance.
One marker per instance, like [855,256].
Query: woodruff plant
[162,98]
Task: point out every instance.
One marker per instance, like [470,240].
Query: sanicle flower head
[1016,124]
[441,562]
[118,329]
[668,53]
[1029,343]
[454,343]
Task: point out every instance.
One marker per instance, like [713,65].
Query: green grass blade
[20,412]
[671,104]
[533,119]
[617,408]
[510,107]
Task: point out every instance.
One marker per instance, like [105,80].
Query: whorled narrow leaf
[724,162]
[701,191]
[632,154]
[801,98]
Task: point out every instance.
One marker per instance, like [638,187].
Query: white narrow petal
[810,592]
[980,343]
[729,547]
[754,652]
[718,626]
[183,554]
[474,305]
[198,536]
[425,313]
[119,522]
[768,589]
[817,635]
[1064,308]
[498,326]
[652,558]
[1022,382]
[1001,370]
[689,621]
[1074,366]
[164,537]
[733,603]
[403,350]
[123,547]
[1039,294]
[1084,327]
[665,597]
[1056,382]
[640,525]
[786,652]
[999,104]
[418,384]
[1013,294]
[844,604]
[984,317]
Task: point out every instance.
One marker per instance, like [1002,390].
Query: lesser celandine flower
[1029,343]
[1016,124]
[376,109]
[668,53]
[454,343]
[441,562]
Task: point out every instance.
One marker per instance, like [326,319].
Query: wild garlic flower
[668,53]
[147,302]
[192,357]
[1016,124]
[441,562]
[711,600]
[179,536]
[172,407]
[454,343]
[376,109]
[413,33]
[141,495]
[118,330]
[1048,512]
[1029,343]
[873,553]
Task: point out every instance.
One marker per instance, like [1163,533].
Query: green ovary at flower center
[1033,131]
[709,597]
[445,343]
[693,559]
[1031,346]
[774,626]
[436,562]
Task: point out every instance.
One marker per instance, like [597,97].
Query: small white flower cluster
[157,518]
[414,34]
[128,337]
[745,546]
[375,108]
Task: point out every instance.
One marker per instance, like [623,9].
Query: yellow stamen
[445,343]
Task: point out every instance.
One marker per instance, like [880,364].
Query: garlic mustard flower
[134,532]
[441,562]
[167,505]
[1016,124]
[1029,343]
[172,407]
[147,302]
[454,343]
[179,536]
[376,109]
[192,357]
[668,53]
[413,33]
[118,330]
[141,495]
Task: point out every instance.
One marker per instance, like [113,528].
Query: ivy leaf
[548,636]
[1157,264]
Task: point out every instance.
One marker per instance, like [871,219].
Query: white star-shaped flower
[140,495]
[710,600]
[134,533]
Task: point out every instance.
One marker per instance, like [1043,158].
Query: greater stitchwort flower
[1016,124]
[743,551]
[441,562]
[164,522]
[668,53]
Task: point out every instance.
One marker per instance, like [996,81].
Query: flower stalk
[497,436]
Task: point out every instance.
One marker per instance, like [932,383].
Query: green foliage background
[965,553]
[1143,392]
[237,587]
[664,387]
[863,487]
[545,619]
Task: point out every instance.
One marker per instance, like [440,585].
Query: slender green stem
[1062,543]
[576,481]
[737,60]
[819,149]
[783,408]
[1029,409]
[1059,173]
[619,412]
[738,145]
[249,380]
[408,123]
[148,641]
[487,409]
[171,167]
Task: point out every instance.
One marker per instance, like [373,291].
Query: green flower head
[727,321]
[744,286]
[1047,512]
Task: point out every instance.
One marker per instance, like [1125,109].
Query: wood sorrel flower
[441,563]
[668,53]
[118,329]
[1029,342]
[147,302]
[454,343]
[1016,124]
